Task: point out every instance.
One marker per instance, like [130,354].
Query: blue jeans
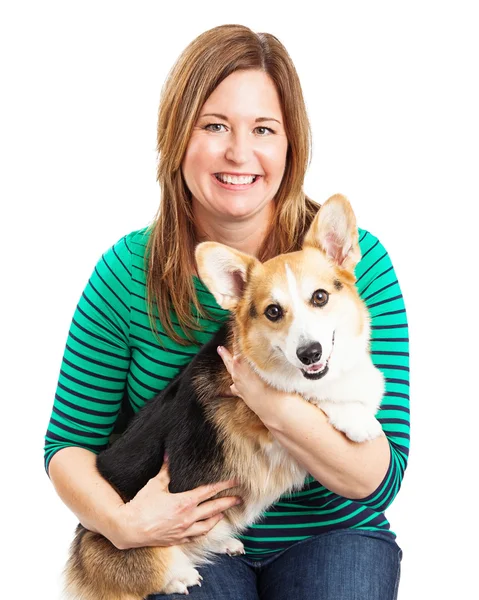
[347,564]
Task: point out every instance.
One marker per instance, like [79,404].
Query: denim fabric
[346,564]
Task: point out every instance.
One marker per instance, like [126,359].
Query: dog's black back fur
[173,422]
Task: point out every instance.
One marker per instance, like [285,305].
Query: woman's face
[240,131]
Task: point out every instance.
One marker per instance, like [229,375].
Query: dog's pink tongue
[317,367]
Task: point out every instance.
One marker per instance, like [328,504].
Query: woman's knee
[339,565]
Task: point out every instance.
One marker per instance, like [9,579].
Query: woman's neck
[244,235]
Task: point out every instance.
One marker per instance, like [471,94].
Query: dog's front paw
[354,420]
[233,547]
[370,429]
[182,581]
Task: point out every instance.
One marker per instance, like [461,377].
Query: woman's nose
[239,147]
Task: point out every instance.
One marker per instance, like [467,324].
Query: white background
[392,95]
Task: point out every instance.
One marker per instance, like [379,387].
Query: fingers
[201,527]
[232,362]
[163,476]
[214,507]
[204,492]
[226,356]
[224,353]
[229,359]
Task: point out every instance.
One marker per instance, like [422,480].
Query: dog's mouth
[319,369]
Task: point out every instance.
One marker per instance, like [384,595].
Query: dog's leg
[181,575]
[221,539]
[232,546]
[354,419]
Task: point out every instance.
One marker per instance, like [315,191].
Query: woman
[231,113]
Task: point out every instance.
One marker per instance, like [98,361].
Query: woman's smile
[236,183]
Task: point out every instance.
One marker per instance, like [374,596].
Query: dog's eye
[273,312]
[320,298]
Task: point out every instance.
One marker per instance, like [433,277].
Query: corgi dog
[299,321]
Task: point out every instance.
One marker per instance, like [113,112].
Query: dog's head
[298,317]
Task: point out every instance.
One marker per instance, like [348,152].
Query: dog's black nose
[309,354]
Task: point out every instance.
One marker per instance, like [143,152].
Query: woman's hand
[263,399]
[156,517]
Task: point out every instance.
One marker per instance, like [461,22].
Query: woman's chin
[240,210]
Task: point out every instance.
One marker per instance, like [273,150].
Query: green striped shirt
[111,350]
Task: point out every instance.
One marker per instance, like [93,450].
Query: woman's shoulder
[370,246]
[375,274]
[130,249]
[124,261]
[366,238]
[133,243]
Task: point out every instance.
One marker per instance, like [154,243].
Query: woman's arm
[153,518]
[349,469]
[96,359]
[74,475]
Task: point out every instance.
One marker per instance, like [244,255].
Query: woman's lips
[236,187]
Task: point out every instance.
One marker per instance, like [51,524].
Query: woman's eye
[320,298]
[273,312]
[213,127]
[265,129]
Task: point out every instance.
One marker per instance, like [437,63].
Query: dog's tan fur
[97,570]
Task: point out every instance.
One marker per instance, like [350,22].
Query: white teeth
[242,179]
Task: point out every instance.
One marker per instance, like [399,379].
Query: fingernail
[219,349]
[239,501]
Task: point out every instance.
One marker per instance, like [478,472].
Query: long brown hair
[202,66]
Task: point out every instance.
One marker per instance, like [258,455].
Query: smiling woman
[234,145]
[237,155]
[234,169]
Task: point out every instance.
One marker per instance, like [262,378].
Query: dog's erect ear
[223,270]
[334,231]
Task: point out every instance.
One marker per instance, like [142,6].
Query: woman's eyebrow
[225,118]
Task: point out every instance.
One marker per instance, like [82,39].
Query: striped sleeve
[96,359]
[379,288]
